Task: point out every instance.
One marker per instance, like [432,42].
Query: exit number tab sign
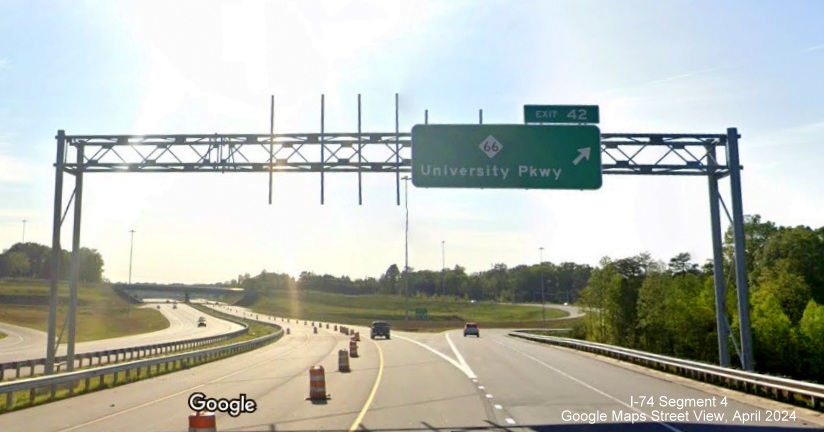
[578,114]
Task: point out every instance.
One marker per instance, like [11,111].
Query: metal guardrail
[70,380]
[121,354]
[782,389]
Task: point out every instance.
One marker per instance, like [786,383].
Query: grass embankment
[101,313]
[2,335]
[553,327]
[442,313]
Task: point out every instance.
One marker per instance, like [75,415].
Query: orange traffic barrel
[316,330]
[356,337]
[343,361]
[202,422]
[317,383]
[327,326]
[336,327]
[287,331]
[353,348]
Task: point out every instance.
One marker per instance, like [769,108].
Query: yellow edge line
[357,421]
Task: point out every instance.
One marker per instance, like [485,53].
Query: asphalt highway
[415,381]
[20,339]
[25,344]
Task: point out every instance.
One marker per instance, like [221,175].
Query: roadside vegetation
[668,308]
[425,313]
[33,261]
[561,283]
[101,312]
[437,300]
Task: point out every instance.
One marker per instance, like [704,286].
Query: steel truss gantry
[386,153]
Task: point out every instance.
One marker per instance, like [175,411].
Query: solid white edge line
[672,428]
[9,332]
[458,354]
[468,372]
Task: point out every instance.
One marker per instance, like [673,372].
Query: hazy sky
[140,67]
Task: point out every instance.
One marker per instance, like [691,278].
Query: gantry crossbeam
[627,154]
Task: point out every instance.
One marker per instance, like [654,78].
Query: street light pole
[443,267]
[406,247]
[24,231]
[543,298]
[131,250]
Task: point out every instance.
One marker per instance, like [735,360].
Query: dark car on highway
[471,328]
[380,328]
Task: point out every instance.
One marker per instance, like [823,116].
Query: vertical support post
[740,253]
[718,262]
[425,116]
[271,144]
[397,157]
[480,116]
[360,155]
[75,273]
[443,267]
[543,297]
[51,348]
[131,253]
[406,248]
[322,146]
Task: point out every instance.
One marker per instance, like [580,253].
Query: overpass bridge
[177,291]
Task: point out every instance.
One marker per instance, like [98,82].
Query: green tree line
[669,308]
[33,260]
[562,283]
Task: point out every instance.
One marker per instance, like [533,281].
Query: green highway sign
[421,313]
[561,114]
[506,156]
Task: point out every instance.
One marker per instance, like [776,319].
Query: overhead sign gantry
[573,156]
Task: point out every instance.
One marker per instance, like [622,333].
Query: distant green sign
[561,114]
[421,313]
[506,156]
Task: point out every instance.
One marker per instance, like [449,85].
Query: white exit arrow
[583,153]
